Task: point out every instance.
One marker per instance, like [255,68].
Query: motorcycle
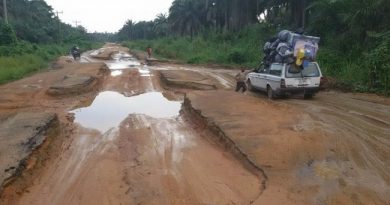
[76,54]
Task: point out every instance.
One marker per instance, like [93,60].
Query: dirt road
[132,146]
[126,141]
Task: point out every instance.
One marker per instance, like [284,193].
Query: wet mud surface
[129,140]
[130,145]
[308,156]
[187,79]
[19,136]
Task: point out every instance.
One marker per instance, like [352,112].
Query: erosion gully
[132,146]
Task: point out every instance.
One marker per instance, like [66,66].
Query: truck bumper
[290,91]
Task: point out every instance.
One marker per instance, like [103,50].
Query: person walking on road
[240,78]
[149,50]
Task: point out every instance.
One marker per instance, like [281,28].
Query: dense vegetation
[33,36]
[355,34]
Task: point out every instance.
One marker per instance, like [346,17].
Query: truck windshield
[310,71]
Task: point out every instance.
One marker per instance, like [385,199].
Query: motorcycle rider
[75,51]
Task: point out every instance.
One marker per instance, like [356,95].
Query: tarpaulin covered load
[290,47]
[308,43]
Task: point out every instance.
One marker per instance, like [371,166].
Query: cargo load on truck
[291,48]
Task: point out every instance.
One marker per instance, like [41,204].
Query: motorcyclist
[75,51]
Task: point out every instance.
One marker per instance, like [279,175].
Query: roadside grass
[13,68]
[22,59]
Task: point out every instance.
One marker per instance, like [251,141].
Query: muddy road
[128,140]
[130,145]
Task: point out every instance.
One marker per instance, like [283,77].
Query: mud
[125,141]
[61,62]
[27,127]
[130,145]
[73,84]
[19,136]
[309,154]
[186,79]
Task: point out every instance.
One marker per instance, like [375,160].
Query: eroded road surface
[128,139]
[131,146]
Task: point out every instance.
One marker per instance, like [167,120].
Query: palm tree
[185,16]
[126,32]
[160,27]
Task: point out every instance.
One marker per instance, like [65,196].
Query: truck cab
[280,79]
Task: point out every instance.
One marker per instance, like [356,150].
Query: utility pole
[77,23]
[5,11]
[59,25]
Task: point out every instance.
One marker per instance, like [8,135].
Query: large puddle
[109,109]
[122,61]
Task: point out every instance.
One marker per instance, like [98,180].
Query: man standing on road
[149,50]
[240,78]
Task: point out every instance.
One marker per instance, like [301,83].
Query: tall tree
[187,16]
[161,26]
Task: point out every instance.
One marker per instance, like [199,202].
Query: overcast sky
[108,15]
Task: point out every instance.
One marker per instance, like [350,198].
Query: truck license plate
[302,82]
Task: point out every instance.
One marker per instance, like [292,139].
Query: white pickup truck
[283,79]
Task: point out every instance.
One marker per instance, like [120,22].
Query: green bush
[7,35]
[194,60]
[378,63]
[237,57]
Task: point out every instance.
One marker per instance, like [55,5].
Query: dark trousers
[241,85]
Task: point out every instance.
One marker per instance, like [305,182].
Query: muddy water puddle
[116,73]
[109,109]
[122,61]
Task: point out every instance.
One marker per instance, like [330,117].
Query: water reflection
[109,109]
[122,60]
[121,65]
[144,71]
[115,73]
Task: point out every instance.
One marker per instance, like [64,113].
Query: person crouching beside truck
[240,78]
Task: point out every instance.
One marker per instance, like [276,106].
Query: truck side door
[274,75]
[261,79]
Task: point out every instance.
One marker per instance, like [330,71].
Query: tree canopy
[350,20]
[36,22]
